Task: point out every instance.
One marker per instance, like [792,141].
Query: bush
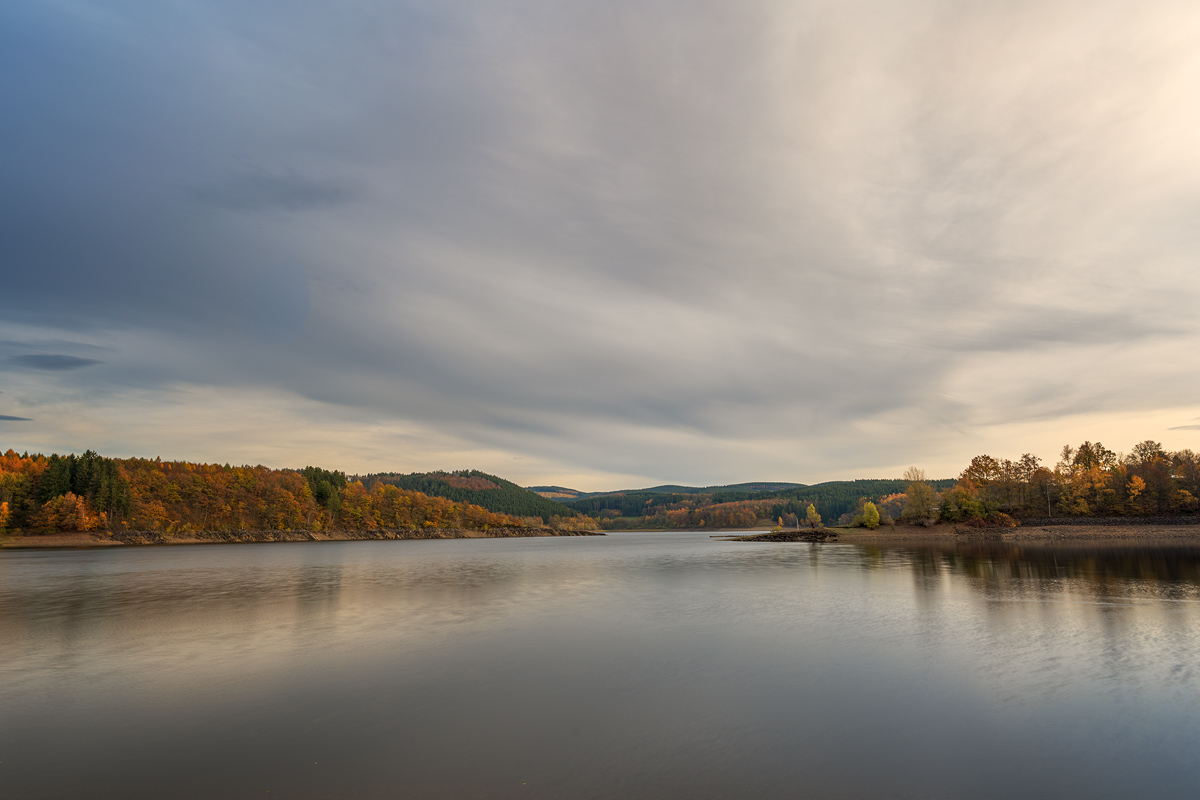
[961,505]
[997,519]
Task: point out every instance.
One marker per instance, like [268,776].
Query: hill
[565,495]
[556,492]
[477,488]
[832,498]
[753,487]
[52,494]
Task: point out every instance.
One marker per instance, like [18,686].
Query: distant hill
[832,498]
[478,488]
[565,495]
[757,486]
[641,502]
[555,492]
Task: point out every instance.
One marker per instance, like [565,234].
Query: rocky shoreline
[146,538]
[1117,522]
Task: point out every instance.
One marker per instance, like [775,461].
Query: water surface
[634,665]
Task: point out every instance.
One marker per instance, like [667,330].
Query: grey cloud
[627,235]
[266,191]
[8,418]
[50,344]
[1020,329]
[1185,428]
[53,362]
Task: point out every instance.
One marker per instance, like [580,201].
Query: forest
[89,492]
[1088,481]
[477,488]
[59,493]
[732,507]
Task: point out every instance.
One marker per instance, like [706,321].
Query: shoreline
[1057,533]
[155,538]
[1093,532]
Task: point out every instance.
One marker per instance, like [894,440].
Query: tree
[812,517]
[1043,482]
[870,516]
[1136,488]
[922,503]
[982,470]
[1027,468]
[962,503]
[1095,456]
[1148,452]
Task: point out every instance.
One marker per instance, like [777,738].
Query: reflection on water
[639,665]
[1101,570]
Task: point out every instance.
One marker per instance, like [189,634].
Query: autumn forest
[1088,481]
[89,492]
[47,494]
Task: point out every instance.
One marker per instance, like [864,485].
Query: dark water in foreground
[634,665]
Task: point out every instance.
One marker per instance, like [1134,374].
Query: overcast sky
[600,244]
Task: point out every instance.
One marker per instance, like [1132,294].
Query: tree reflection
[1117,570]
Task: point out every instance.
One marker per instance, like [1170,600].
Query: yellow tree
[1137,490]
[870,516]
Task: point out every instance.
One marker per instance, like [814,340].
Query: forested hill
[51,494]
[475,487]
[561,493]
[564,495]
[835,498]
[832,498]
[755,487]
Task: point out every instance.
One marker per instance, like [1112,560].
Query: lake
[664,665]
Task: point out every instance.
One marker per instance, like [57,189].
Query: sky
[599,244]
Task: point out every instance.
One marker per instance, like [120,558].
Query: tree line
[692,514]
[1087,481]
[835,500]
[88,492]
[58,493]
[477,488]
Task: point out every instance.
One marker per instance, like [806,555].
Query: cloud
[8,418]
[287,191]
[53,362]
[620,241]
[1185,428]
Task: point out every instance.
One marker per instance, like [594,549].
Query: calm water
[663,665]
